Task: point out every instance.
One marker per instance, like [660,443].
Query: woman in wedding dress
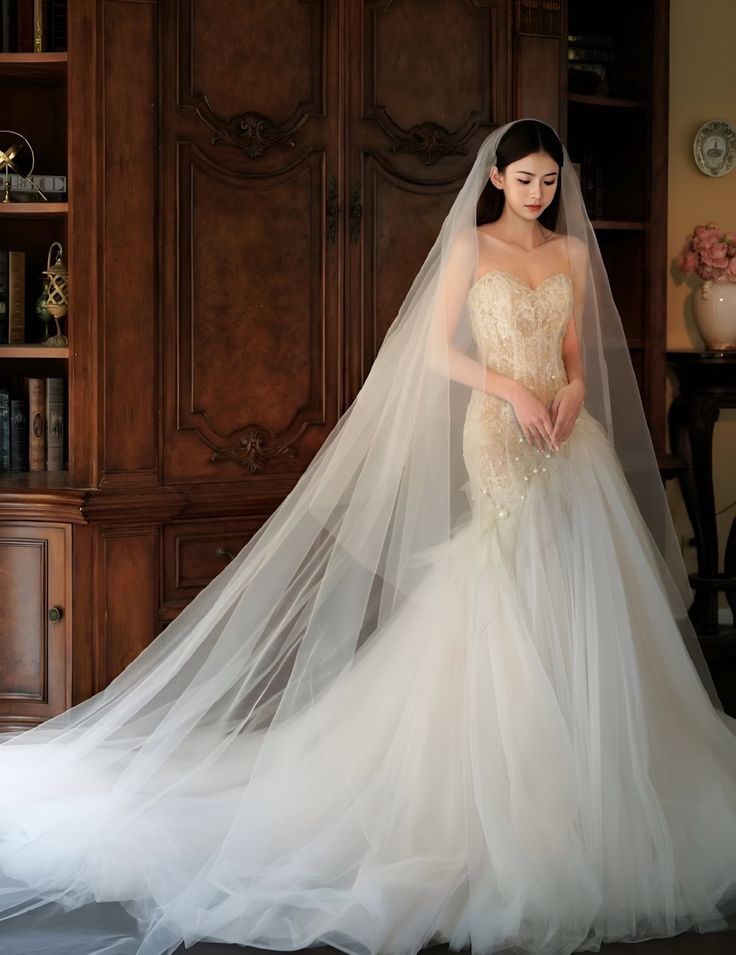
[449,691]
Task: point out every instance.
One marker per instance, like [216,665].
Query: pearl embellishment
[503,512]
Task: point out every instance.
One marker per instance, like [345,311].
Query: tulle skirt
[523,759]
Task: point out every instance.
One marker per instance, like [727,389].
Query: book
[16,298]
[36,398]
[3,297]
[591,39]
[4,430]
[57,26]
[24,29]
[54,424]
[18,434]
[591,56]
[40,26]
[8,14]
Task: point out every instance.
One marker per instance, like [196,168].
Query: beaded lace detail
[518,331]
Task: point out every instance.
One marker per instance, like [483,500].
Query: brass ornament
[57,296]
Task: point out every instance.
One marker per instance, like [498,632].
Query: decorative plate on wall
[714,147]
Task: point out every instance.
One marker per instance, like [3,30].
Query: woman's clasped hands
[544,427]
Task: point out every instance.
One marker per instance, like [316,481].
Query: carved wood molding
[62,504]
[251,132]
[253,447]
[428,141]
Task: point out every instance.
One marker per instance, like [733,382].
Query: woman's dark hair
[522,138]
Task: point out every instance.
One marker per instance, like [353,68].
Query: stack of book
[32,26]
[32,428]
[589,58]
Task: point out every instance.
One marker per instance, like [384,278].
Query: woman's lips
[534,208]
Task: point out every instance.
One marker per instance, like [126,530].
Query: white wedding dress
[524,756]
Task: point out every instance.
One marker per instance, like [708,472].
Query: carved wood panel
[427,83]
[251,330]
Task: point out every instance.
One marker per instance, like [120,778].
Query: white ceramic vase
[714,307]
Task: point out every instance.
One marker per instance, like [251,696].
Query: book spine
[25,26]
[54,424]
[4,430]
[36,395]
[18,434]
[16,298]
[39,27]
[3,297]
[57,26]
[6,39]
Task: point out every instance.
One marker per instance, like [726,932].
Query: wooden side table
[707,382]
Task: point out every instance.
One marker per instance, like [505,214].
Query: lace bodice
[518,331]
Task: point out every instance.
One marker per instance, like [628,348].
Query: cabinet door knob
[55,614]
[225,554]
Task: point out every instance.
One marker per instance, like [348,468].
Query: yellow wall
[702,87]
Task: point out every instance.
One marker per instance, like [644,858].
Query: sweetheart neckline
[513,275]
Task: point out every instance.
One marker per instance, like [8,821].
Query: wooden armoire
[251,190]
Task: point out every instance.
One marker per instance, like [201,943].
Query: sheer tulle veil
[346,550]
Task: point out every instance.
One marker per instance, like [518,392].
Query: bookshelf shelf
[586,99]
[34,479]
[35,210]
[41,68]
[34,351]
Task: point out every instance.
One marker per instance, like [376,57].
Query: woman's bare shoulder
[488,228]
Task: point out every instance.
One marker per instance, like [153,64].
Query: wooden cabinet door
[427,83]
[250,160]
[35,622]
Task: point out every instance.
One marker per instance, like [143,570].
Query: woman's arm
[534,419]
[568,401]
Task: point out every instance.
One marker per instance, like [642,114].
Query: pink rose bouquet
[710,252]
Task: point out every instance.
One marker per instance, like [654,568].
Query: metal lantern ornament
[57,301]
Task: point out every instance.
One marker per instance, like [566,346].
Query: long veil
[318,584]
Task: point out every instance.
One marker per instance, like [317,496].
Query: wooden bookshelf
[616,128]
[43,531]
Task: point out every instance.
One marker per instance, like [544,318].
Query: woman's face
[529,184]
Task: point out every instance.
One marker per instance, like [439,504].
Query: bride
[449,691]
